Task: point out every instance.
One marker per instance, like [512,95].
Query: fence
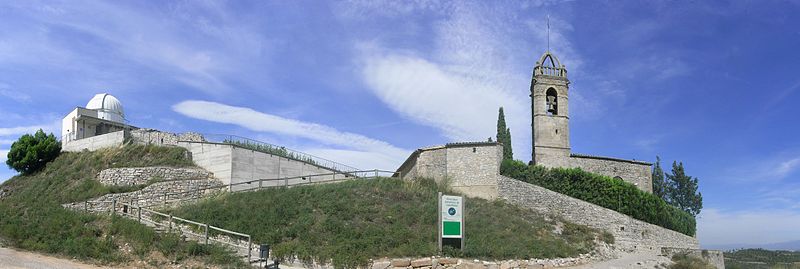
[132,209]
[277,150]
[201,232]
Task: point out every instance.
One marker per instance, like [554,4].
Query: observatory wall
[114,139]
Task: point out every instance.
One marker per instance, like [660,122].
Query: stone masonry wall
[154,194]
[156,137]
[637,173]
[471,168]
[630,234]
[141,175]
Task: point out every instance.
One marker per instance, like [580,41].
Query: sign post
[451,221]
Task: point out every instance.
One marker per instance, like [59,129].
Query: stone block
[381,265]
[448,261]
[401,262]
[421,262]
[471,265]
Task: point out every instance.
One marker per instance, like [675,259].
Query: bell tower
[550,112]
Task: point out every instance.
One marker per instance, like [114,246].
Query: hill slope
[350,222]
[31,216]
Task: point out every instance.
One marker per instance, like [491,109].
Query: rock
[448,261]
[492,266]
[381,265]
[471,265]
[509,265]
[401,262]
[421,262]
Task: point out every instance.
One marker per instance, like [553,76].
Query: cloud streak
[717,227]
[357,147]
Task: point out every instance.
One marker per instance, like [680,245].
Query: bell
[551,104]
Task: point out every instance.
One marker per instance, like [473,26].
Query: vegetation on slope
[31,216]
[611,193]
[350,222]
[762,259]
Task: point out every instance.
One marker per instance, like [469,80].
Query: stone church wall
[470,168]
[634,172]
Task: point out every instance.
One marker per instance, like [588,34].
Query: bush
[31,152]
[604,191]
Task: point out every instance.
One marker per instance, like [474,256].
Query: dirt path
[628,261]
[10,258]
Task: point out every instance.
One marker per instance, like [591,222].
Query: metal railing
[201,232]
[278,151]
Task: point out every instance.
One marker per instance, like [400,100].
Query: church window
[552,102]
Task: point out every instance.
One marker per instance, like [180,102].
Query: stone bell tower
[550,109]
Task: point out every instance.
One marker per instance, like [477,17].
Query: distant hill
[788,245]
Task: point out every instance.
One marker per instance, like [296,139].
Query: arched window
[552,102]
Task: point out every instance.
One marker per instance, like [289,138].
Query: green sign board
[452,217]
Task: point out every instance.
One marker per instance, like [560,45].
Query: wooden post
[86,206]
[140,214]
[206,225]
[170,223]
[439,222]
[249,249]
[114,207]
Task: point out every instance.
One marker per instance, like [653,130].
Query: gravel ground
[13,259]
[628,261]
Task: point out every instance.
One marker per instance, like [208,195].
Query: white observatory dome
[108,107]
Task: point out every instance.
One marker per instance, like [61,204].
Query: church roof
[576,155]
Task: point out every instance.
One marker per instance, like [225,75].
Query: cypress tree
[660,185]
[504,135]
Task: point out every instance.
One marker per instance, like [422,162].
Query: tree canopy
[30,153]
[504,135]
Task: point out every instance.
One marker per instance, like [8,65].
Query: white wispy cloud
[19,130]
[475,67]
[356,147]
[718,227]
[787,167]
[3,156]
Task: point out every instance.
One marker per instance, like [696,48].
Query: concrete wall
[231,164]
[114,139]
[248,165]
[630,234]
[637,173]
[213,157]
[132,176]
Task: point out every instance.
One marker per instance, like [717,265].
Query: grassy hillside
[762,259]
[31,216]
[350,222]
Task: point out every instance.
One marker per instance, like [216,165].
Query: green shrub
[31,152]
[683,261]
[611,193]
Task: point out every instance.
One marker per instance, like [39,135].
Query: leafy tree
[31,152]
[661,187]
[504,136]
[683,192]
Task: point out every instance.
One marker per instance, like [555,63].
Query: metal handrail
[265,147]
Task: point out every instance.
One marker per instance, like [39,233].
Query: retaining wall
[630,234]
[141,175]
[154,194]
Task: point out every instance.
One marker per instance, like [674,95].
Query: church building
[550,126]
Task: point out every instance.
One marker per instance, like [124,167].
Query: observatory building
[102,115]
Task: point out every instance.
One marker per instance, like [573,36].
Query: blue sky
[710,83]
